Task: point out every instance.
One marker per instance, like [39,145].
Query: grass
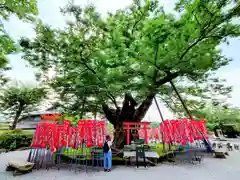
[159,148]
[163,151]
[26,132]
[72,153]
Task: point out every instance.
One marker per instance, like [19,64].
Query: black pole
[159,111]
[184,105]
[207,144]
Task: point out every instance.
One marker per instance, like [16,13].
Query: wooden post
[145,128]
[126,126]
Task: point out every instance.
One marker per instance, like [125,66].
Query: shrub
[13,140]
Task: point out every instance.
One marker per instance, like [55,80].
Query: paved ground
[210,169]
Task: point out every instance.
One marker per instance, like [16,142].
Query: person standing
[107,154]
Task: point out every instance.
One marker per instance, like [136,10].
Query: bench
[236,146]
[19,167]
[220,152]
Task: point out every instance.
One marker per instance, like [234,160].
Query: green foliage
[16,101]
[155,124]
[13,140]
[74,119]
[230,131]
[24,10]
[196,96]
[161,149]
[215,115]
[210,126]
[138,49]
[13,97]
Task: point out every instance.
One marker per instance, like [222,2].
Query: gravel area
[209,169]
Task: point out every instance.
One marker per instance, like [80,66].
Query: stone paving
[210,169]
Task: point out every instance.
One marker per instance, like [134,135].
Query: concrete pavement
[210,169]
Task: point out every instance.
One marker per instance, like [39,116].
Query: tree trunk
[119,136]
[129,112]
[17,115]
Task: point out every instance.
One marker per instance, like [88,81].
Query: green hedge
[12,140]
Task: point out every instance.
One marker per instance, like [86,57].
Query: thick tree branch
[155,63]
[143,108]
[83,106]
[169,77]
[130,99]
[201,37]
[140,18]
[112,98]
[111,114]
[128,108]
[88,67]
[197,19]
[17,115]
[136,22]
[134,71]
[109,95]
[190,47]
[3,6]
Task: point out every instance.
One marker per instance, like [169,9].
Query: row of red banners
[170,131]
[183,131]
[53,136]
[92,133]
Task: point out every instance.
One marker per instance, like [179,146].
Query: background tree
[197,97]
[131,55]
[17,101]
[24,10]
[220,114]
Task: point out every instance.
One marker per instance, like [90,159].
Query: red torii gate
[145,126]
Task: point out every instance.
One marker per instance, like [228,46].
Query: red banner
[183,131]
[51,129]
[54,136]
[92,133]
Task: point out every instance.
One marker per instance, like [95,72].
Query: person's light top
[109,144]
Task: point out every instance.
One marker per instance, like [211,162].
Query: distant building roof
[38,113]
[42,113]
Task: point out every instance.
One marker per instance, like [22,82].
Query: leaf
[139,49]
[12,98]
[25,10]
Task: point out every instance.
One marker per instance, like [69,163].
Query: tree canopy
[132,54]
[17,101]
[216,115]
[24,10]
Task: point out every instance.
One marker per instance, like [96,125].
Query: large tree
[132,54]
[24,10]
[17,101]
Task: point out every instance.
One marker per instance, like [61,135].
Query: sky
[49,13]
